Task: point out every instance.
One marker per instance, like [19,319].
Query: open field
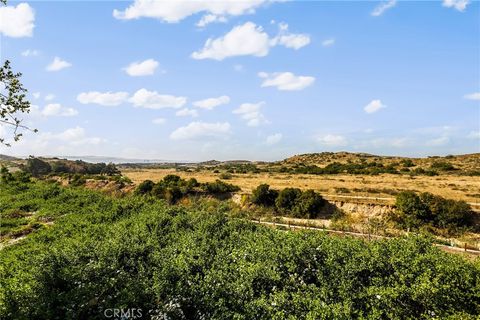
[465,188]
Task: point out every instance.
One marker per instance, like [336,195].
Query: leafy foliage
[293,201]
[12,101]
[263,195]
[196,263]
[173,188]
[413,211]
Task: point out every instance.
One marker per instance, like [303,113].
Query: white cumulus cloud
[382,7]
[58,64]
[248,40]
[17,22]
[472,96]
[143,68]
[108,99]
[177,10]
[273,139]
[459,5]
[55,109]
[332,140]
[210,18]
[374,106]
[251,113]
[153,100]
[212,103]
[185,112]
[285,81]
[198,129]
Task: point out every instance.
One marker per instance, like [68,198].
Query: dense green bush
[37,167]
[219,187]
[263,195]
[145,187]
[77,180]
[308,205]
[196,263]
[172,188]
[413,211]
[442,166]
[287,199]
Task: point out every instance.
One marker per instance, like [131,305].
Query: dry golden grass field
[385,185]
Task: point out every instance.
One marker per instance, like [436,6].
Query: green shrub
[287,199]
[37,167]
[197,263]
[413,211]
[308,205]
[145,187]
[264,196]
[219,187]
[442,166]
[225,176]
[77,180]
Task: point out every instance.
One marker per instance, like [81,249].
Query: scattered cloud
[108,99]
[197,129]
[212,103]
[159,120]
[374,106]
[153,100]
[440,141]
[74,137]
[30,53]
[459,5]
[332,140]
[472,96]
[17,21]
[248,40]
[290,40]
[251,113]
[382,7]
[209,18]
[285,81]
[36,95]
[55,109]
[474,135]
[143,68]
[185,112]
[49,97]
[328,42]
[175,11]
[58,64]
[273,139]
[384,143]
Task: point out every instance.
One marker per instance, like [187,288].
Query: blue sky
[131,79]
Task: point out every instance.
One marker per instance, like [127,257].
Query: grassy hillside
[460,163]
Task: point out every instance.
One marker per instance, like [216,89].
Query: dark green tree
[37,167]
[264,196]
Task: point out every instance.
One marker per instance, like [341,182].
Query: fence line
[356,234]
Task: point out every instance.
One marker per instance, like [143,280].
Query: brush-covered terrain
[201,259]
